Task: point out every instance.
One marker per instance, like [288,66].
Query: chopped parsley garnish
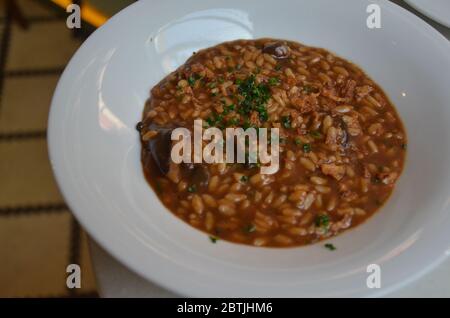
[274,81]
[297,141]
[322,220]
[330,246]
[250,228]
[254,97]
[315,134]
[244,178]
[213,239]
[192,189]
[191,80]
[247,125]
[212,85]
[277,67]
[306,148]
[308,89]
[286,120]
[215,120]
[228,109]
[233,122]
[404,146]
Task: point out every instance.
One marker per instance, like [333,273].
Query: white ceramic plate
[438,10]
[94,147]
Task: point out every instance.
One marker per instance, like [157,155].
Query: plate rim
[102,241]
[427,13]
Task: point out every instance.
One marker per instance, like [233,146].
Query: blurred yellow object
[88,12]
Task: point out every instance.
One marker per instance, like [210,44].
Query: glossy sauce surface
[342,143]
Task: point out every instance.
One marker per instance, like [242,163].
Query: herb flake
[250,228]
[191,80]
[244,178]
[254,97]
[322,220]
[330,246]
[192,189]
[315,134]
[274,81]
[307,148]
[286,121]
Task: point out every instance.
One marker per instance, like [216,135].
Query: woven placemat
[39,237]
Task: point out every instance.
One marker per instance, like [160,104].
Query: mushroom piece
[344,135]
[278,50]
[160,148]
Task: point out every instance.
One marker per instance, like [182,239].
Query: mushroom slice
[278,50]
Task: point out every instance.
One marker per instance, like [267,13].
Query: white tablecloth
[115,280]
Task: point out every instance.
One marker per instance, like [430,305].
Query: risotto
[342,143]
